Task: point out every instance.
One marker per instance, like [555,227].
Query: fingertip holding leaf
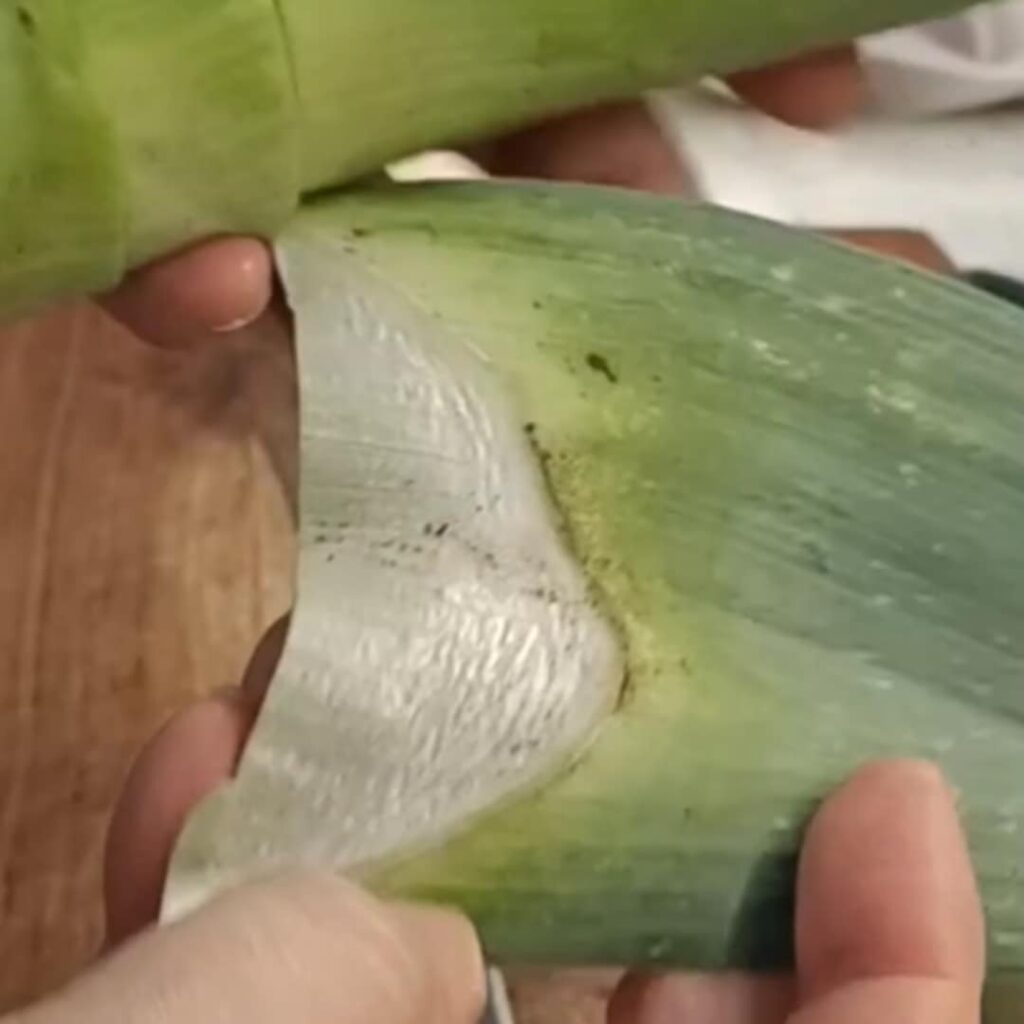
[302,945]
[888,920]
[886,887]
[818,90]
[911,247]
[192,757]
[215,288]
[618,144]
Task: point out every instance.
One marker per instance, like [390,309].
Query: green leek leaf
[630,528]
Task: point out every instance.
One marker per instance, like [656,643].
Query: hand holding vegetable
[306,948]
[886,889]
[888,923]
[888,926]
[303,947]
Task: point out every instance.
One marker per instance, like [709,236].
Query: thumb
[889,921]
[308,948]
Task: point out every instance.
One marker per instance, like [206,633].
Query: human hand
[307,948]
[214,288]
[888,927]
[889,923]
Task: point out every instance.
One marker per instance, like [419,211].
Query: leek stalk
[134,127]
[792,479]
[629,528]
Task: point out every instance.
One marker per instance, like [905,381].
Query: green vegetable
[134,127]
[199,96]
[59,208]
[630,528]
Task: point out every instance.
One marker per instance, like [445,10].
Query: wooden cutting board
[145,544]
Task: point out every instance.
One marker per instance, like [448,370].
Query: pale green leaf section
[133,128]
[200,98]
[60,215]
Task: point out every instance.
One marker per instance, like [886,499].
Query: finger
[307,948]
[889,923]
[263,664]
[906,246]
[195,754]
[703,999]
[616,144]
[217,287]
[190,758]
[818,90]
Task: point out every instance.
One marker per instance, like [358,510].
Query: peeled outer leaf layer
[134,127]
[794,477]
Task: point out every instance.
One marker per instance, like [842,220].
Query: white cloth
[973,60]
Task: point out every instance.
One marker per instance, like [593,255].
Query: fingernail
[236,325]
[228,283]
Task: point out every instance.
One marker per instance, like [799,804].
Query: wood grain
[568,997]
[145,545]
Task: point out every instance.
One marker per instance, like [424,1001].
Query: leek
[629,529]
[134,127]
